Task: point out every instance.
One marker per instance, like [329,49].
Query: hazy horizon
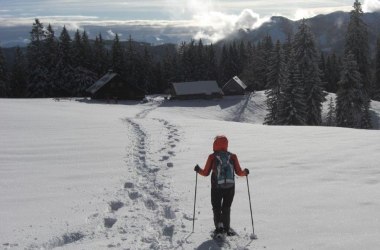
[211,20]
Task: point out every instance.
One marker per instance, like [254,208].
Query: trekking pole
[253,236]
[195,198]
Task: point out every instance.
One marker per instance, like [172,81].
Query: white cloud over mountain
[210,20]
[371,5]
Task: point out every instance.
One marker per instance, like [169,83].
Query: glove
[246,171]
[197,168]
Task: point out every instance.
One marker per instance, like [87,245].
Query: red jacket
[210,166]
[221,144]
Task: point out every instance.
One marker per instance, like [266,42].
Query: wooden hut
[196,90]
[112,86]
[235,86]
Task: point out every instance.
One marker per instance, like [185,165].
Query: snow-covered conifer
[118,57]
[38,73]
[3,76]
[332,73]
[357,46]
[100,56]
[18,75]
[64,70]
[211,64]
[264,51]
[376,86]
[200,62]
[224,75]
[77,50]
[356,42]
[87,53]
[331,114]
[51,49]
[147,76]
[307,59]
[277,79]
[349,100]
[292,109]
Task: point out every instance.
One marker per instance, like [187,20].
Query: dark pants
[221,200]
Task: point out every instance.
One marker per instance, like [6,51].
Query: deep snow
[76,174]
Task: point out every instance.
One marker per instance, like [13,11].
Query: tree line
[297,79]
[294,74]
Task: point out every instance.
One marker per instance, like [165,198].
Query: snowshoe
[230,232]
[218,234]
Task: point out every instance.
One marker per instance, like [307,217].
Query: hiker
[223,165]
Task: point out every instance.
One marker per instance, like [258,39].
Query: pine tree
[51,48]
[357,45]
[277,79]
[147,76]
[224,75]
[167,71]
[87,53]
[77,50]
[134,70]
[248,72]
[100,56]
[64,71]
[211,63]
[243,57]
[3,76]
[377,72]
[38,73]
[263,54]
[349,101]
[200,62]
[331,114]
[189,61]
[293,109]
[18,76]
[234,61]
[307,59]
[323,70]
[332,73]
[64,48]
[118,57]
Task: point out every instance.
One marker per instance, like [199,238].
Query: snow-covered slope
[86,175]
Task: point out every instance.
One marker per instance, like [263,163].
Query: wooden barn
[235,86]
[111,86]
[195,90]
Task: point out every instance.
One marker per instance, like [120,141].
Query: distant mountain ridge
[329,30]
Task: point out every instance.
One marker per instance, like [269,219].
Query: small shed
[112,86]
[196,90]
[235,86]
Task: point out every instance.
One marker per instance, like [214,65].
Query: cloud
[213,22]
[371,5]
[303,13]
[214,26]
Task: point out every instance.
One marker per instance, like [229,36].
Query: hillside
[329,30]
[77,174]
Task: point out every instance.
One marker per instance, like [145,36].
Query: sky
[216,15]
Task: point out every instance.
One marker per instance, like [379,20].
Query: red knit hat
[220,143]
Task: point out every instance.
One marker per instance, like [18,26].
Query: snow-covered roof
[198,87]
[101,82]
[237,80]
[240,82]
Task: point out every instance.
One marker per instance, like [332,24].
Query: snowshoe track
[149,188]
